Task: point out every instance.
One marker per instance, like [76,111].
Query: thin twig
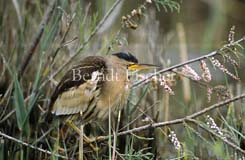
[142,112]
[36,39]
[7,116]
[114,146]
[84,43]
[81,133]
[200,83]
[30,146]
[185,63]
[218,136]
[176,121]
[115,137]
[62,41]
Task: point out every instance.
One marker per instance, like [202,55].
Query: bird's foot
[89,141]
[86,139]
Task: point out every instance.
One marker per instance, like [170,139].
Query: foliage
[73,29]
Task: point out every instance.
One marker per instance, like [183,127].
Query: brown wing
[78,88]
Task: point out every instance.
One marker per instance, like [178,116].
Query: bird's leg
[85,138]
[73,126]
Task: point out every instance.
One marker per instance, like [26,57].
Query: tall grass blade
[20,107]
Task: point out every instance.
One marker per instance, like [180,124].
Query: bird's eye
[129,65]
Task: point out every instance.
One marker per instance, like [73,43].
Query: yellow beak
[134,67]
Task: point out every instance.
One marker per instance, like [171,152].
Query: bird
[94,85]
[93,88]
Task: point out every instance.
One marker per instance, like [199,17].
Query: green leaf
[20,107]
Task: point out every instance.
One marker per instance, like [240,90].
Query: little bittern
[94,85]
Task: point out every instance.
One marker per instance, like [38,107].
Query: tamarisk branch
[187,62]
[177,121]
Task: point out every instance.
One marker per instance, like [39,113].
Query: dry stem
[176,121]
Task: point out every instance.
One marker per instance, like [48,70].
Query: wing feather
[74,95]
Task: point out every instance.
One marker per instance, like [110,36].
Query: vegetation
[191,108]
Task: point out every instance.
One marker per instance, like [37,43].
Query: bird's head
[131,62]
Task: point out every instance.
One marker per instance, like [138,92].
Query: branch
[176,121]
[185,63]
[62,41]
[30,146]
[84,43]
[218,136]
[36,39]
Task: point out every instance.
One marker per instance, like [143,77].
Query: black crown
[126,56]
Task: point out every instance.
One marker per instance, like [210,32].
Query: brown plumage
[70,96]
[90,98]
[86,67]
[95,85]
